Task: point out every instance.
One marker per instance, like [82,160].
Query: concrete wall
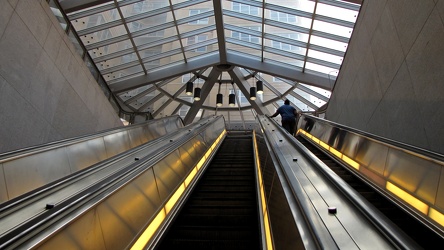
[392,79]
[46,91]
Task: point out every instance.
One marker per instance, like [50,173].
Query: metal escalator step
[208,220]
[221,213]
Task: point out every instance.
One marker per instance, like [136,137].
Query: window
[135,26]
[139,7]
[95,20]
[200,21]
[241,96]
[152,52]
[246,9]
[282,17]
[275,79]
[104,34]
[184,109]
[285,46]
[246,37]
[196,40]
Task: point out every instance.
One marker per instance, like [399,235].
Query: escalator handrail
[320,236]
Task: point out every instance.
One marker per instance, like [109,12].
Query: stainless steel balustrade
[310,189]
[19,210]
[114,214]
[27,169]
[403,172]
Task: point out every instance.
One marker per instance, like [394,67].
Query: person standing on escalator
[288,114]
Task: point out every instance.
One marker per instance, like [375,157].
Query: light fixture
[219,99]
[197,91]
[189,90]
[197,94]
[219,96]
[231,100]
[260,87]
[232,97]
[253,93]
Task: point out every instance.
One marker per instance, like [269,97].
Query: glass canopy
[146,52]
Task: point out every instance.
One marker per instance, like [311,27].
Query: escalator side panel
[285,232]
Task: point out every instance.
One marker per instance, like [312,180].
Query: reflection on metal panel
[78,153]
[407,171]
[86,153]
[87,227]
[370,154]
[3,193]
[116,143]
[284,231]
[410,175]
[440,194]
[25,174]
[128,209]
[136,137]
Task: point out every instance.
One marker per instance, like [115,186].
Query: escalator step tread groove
[221,212]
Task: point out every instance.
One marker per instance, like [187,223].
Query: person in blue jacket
[289,115]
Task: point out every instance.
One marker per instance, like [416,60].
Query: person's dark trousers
[289,125]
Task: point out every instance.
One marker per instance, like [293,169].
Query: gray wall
[46,91]
[392,79]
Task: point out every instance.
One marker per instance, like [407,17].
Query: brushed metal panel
[148,134]
[86,153]
[440,193]
[323,131]
[166,178]
[146,183]
[116,143]
[3,193]
[414,174]
[135,136]
[127,211]
[25,174]
[173,160]
[199,146]
[185,157]
[171,125]
[158,128]
[371,154]
[83,233]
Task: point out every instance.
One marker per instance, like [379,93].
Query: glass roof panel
[243,49]
[332,28]
[143,6]
[328,43]
[298,36]
[304,5]
[320,68]
[283,60]
[152,38]
[107,52]
[155,37]
[114,75]
[336,12]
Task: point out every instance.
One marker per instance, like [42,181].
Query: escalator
[413,227]
[221,212]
